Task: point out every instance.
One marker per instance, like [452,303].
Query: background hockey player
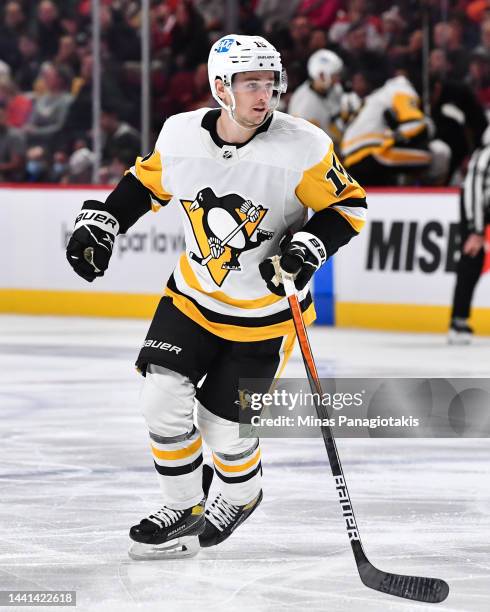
[318,99]
[243,177]
[475,214]
[390,137]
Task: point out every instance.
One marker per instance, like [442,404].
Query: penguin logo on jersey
[224,227]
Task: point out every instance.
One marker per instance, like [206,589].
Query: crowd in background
[46,69]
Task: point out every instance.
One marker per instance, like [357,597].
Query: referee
[475,213]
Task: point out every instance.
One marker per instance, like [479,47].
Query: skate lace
[221,513]
[165,516]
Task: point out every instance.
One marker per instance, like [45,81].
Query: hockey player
[318,99]
[391,136]
[242,176]
[475,213]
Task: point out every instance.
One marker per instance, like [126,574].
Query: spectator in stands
[358,55]
[248,20]
[80,167]
[477,9]
[112,173]
[48,29]
[383,34]
[117,135]
[393,28]
[30,63]
[410,56]
[201,96]
[320,13]
[51,108]
[79,119]
[120,29]
[484,46]
[479,77]
[318,40]
[448,37]
[188,39]
[67,55]
[458,116]
[12,150]
[355,19]
[14,18]
[295,51]
[59,168]
[275,14]
[14,21]
[37,168]
[4,69]
[212,13]
[18,106]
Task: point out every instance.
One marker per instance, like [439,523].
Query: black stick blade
[417,588]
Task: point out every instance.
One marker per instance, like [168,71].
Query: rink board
[398,274]
[36,226]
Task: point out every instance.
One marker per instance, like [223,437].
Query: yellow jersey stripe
[149,172]
[404,156]
[354,158]
[237,332]
[355,222]
[381,136]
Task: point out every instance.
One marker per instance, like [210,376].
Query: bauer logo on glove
[90,246]
[301,255]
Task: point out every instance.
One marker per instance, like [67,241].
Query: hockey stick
[428,590]
[204,260]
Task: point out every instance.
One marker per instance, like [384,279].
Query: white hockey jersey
[236,204]
[369,133]
[322,111]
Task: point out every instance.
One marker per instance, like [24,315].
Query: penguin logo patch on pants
[224,227]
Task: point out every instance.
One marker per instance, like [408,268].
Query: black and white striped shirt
[476,190]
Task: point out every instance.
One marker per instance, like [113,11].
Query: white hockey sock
[240,475]
[236,460]
[167,403]
[178,462]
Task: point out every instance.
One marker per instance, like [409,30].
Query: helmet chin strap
[231,112]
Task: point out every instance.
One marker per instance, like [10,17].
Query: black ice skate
[460,332]
[222,518]
[170,533]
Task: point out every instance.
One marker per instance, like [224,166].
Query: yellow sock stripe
[237,468]
[181,453]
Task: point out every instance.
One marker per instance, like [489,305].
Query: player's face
[253,92]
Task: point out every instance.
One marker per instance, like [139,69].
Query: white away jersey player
[321,110]
[368,133]
[236,203]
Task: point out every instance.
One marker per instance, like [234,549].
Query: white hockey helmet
[324,64]
[239,53]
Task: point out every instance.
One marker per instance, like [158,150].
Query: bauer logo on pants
[224,227]
[163,346]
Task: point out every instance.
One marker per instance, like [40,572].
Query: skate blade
[459,339]
[187,546]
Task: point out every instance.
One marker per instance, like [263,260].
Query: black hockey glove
[301,255]
[90,246]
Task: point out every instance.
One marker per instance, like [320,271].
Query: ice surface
[76,472]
